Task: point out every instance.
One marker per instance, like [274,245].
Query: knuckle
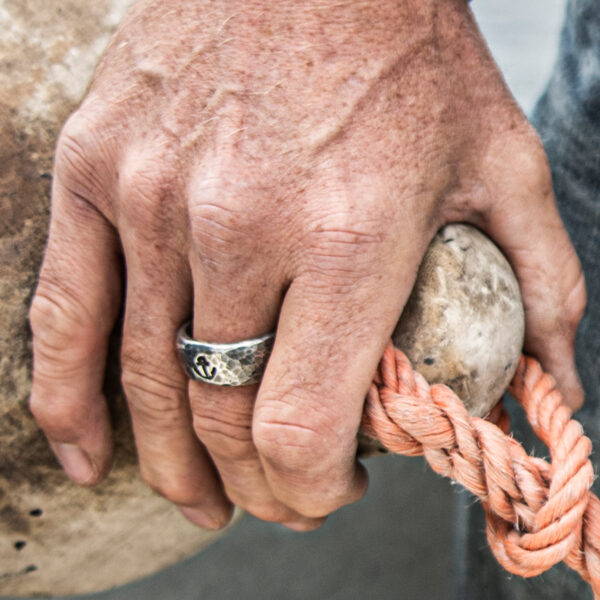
[148,177]
[343,231]
[228,214]
[289,447]
[304,446]
[60,420]
[223,232]
[345,244]
[153,396]
[147,184]
[561,300]
[227,436]
[57,320]
[270,511]
[78,154]
[236,224]
[311,454]
[46,317]
[173,489]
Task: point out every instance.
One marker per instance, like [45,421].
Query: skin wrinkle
[73,164]
[82,166]
[225,435]
[306,403]
[141,384]
[277,430]
[237,418]
[51,302]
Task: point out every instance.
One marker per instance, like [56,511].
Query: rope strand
[538,513]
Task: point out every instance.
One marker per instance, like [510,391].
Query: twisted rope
[537,513]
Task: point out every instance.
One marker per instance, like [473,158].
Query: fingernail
[75,462]
[203,518]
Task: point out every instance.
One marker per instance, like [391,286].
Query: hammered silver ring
[236,364]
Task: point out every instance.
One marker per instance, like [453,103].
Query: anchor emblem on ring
[204,369]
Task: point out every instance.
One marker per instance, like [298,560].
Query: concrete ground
[397,542]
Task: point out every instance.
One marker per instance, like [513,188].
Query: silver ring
[240,363]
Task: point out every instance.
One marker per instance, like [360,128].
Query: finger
[335,321]
[172,461]
[73,311]
[223,416]
[525,222]
[159,297]
[237,294]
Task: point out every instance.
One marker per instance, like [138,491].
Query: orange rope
[537,513]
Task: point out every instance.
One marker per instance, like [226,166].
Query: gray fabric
[568,120]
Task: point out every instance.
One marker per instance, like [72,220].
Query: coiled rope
[537,513]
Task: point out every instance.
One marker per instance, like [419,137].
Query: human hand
[276,166]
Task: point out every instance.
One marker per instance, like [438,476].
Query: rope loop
[538,513]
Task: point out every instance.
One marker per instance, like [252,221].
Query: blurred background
[397,542]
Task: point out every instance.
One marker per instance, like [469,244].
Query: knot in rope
[538,513]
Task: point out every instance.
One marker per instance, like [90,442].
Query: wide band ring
[240,363]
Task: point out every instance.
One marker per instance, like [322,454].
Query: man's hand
[276,166]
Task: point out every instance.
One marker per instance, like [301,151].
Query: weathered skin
[84,539]
[464,322]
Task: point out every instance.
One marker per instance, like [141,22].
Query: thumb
[524,221]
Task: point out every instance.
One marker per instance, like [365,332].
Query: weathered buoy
[464,322]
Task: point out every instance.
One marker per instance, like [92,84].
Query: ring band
[240,363]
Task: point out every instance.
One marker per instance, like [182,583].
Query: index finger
[73,311]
